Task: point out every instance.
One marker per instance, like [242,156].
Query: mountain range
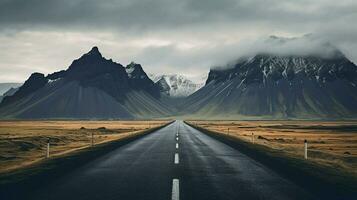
[267,85]
[91,87]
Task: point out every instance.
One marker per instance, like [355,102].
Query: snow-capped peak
[175,85]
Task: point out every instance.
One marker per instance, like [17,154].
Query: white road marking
[175,189]
[177,138]
[176,145]
[176,158]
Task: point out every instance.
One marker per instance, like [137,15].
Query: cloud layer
[187,36]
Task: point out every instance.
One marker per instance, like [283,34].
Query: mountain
[175,85]
[7,89]
[4,87]
[10,92]
[91,87]
[277,86]
[139,80]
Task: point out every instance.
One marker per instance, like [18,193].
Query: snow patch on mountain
[175,85]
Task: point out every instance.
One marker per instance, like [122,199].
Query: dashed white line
[176,158]
[177,146]
[177,138]
[175,189]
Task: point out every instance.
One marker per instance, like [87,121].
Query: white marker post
[48,149]
[305,149]
[253,138]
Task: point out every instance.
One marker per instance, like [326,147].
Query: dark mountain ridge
[92,86]
[264,67]
[278,86]
[139,80]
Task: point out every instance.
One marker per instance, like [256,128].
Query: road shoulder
[322,181]
[19,183]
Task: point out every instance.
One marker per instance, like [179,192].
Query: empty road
[175,162]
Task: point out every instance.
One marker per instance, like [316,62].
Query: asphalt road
[170,165]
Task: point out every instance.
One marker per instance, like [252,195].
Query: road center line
[175,189]
[176,158]
[176,145]
[177,138]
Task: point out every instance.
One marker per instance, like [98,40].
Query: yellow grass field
[25,142]
[333,144]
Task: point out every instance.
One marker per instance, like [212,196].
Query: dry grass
[332,144]
[24,142]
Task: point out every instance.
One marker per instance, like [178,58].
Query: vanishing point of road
[175,162]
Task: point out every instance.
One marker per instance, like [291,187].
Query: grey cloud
[188,35]
[147,14]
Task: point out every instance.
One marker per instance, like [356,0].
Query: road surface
[176,162]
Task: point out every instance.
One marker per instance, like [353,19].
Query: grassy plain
[331,144]
[23,143]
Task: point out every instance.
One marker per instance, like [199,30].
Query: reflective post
[48,149]
[305,149]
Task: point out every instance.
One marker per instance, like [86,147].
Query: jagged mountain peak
[94,52]
[139,80]
[264,67]
[133,64]
[91,58]
[93,55]
[90,65]
[135,70]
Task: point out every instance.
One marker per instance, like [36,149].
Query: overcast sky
[165,36]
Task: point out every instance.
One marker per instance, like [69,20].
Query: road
[176,162]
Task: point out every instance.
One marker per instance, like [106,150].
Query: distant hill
[4,87]
[7,89]
[92,87]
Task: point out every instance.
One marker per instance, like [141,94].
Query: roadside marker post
[253,138]
[92,142]
[305,149]
[48,149]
